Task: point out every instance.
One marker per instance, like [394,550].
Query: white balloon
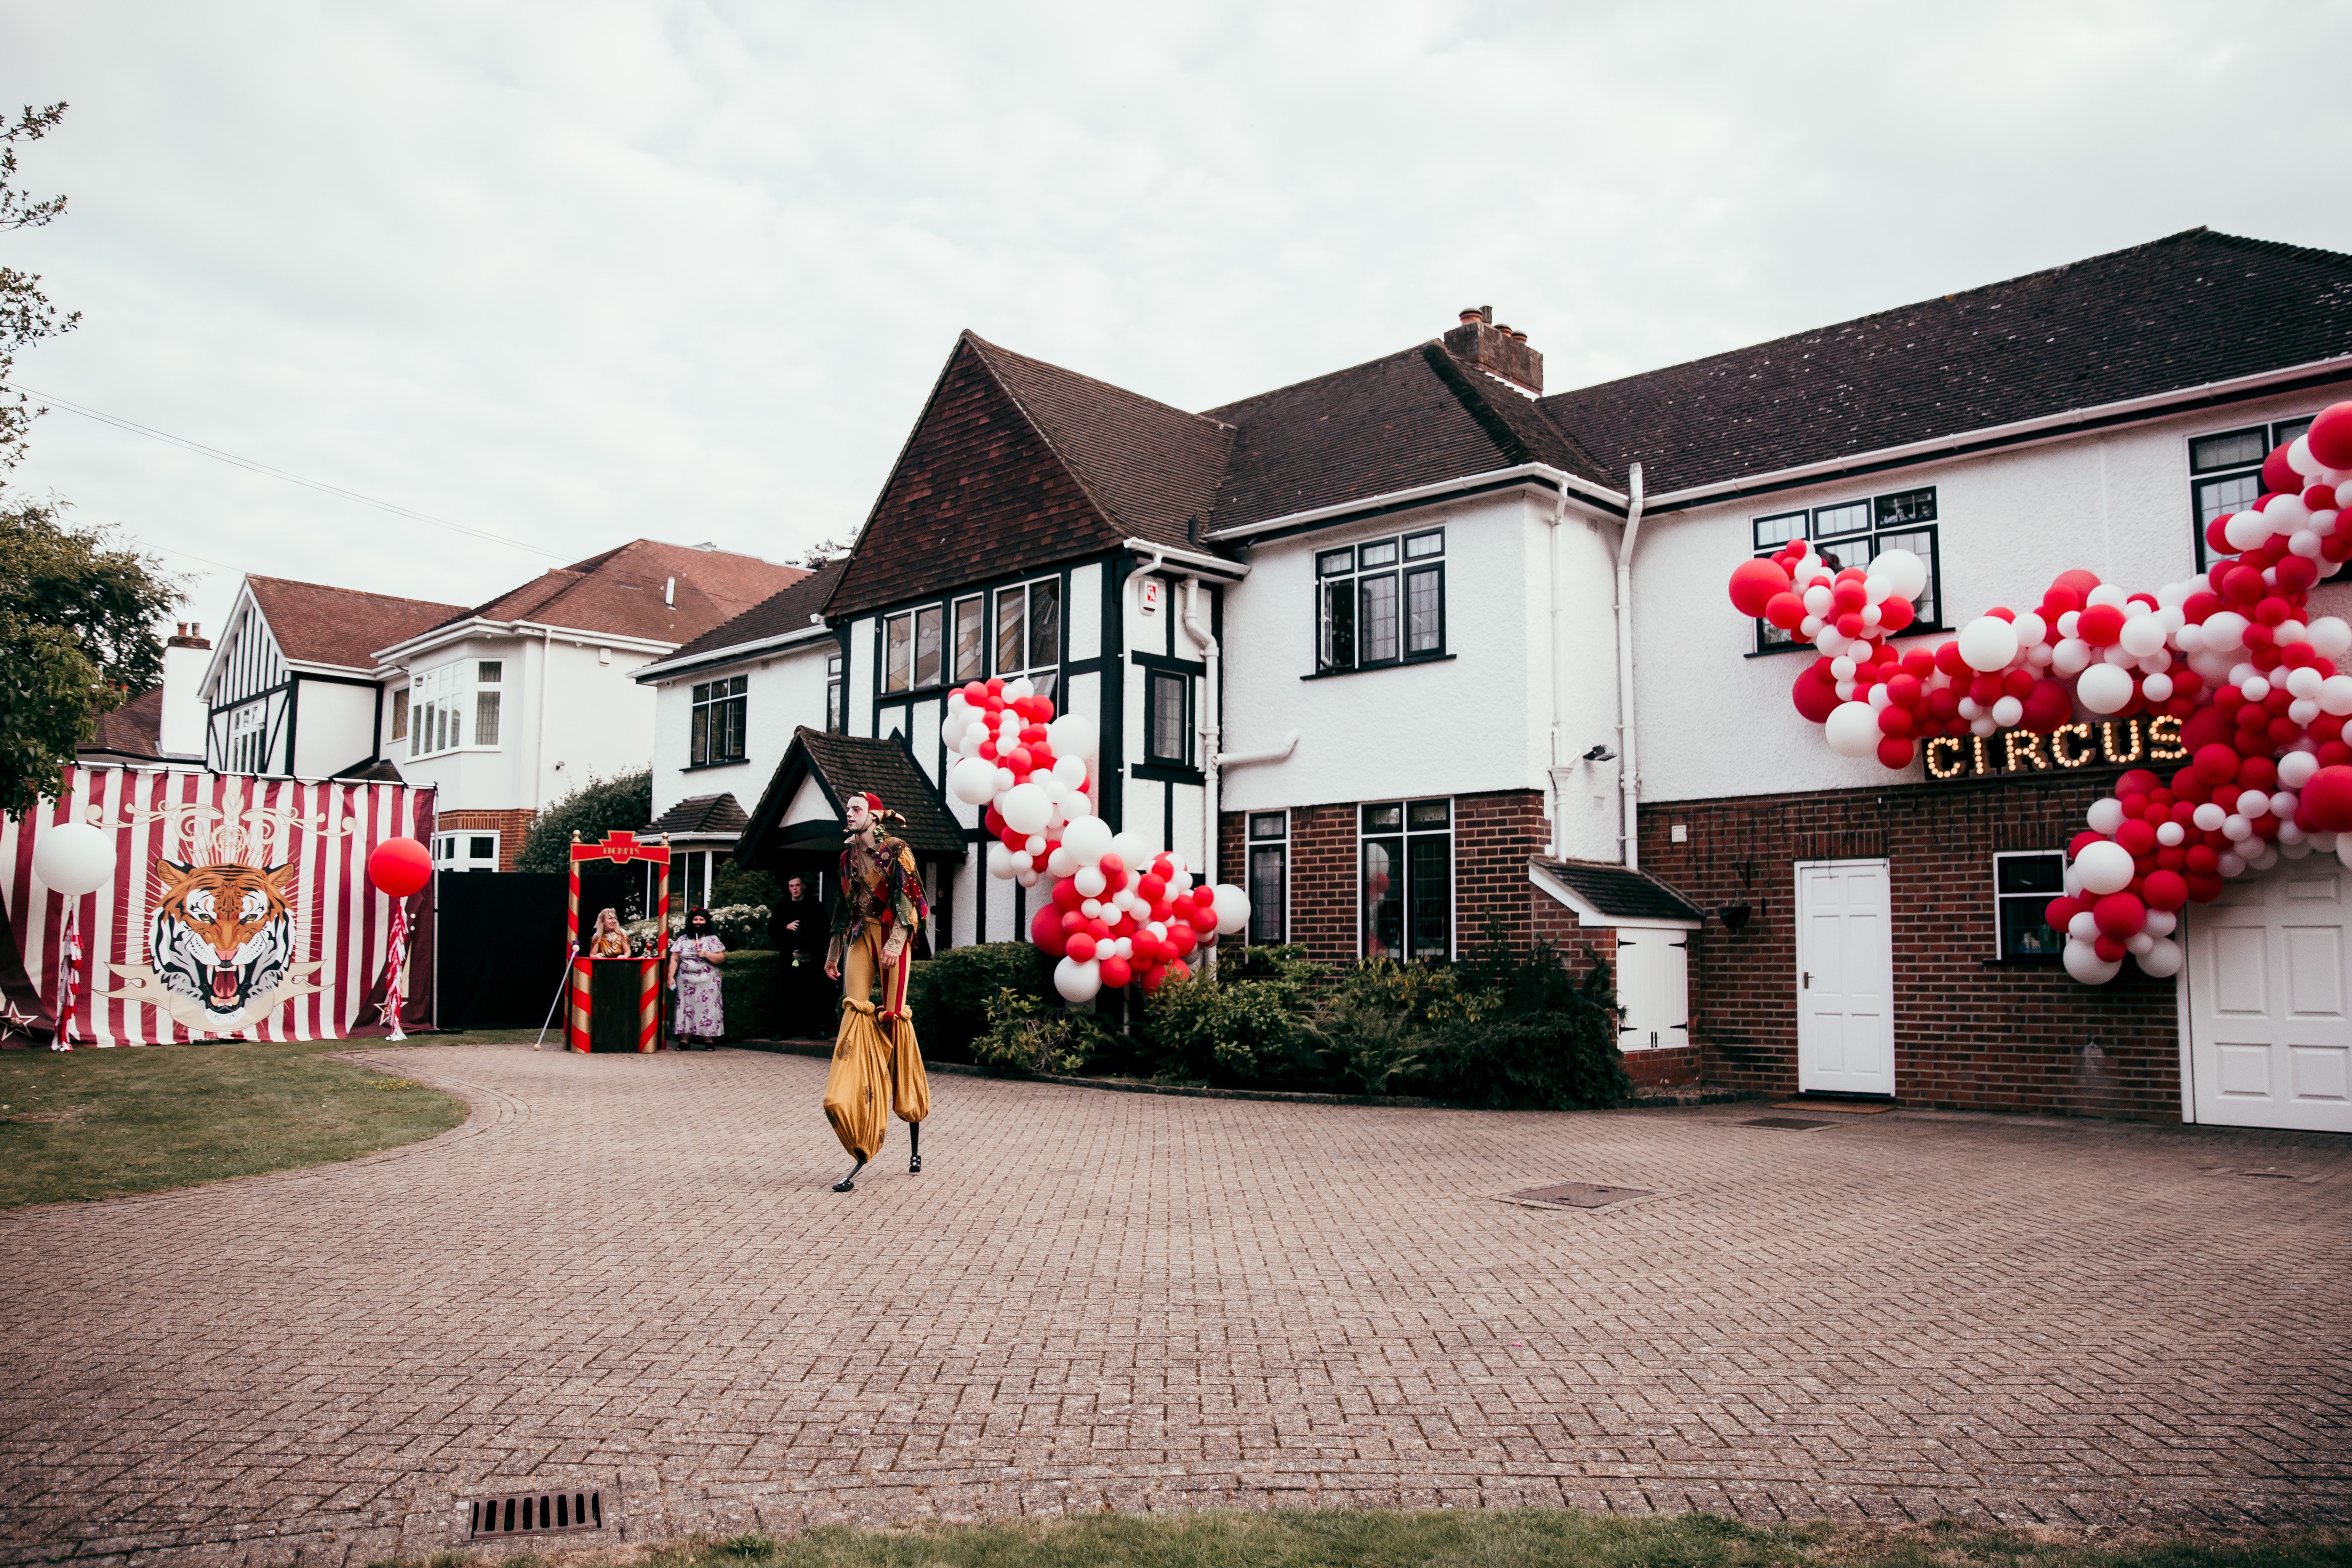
[1134,851]
[2104,816]
[2225,630]
[2163,959]
[1233,908]
[2158,687]
[2209,816]
[1988,643]
[1089,879]
[2104,687]
[2070,658]
[2244,530]
[2143,634]
[973,781]
[1061,862]
[2008,712]
[1906,574]
[999,860]
[951,733]
[2109,594]
[2255,688]
[2084,963]
[73,859]
[1019,688]
[1075,735]
[1088,840]
[1077,982]
[2138,944]
[2330,637]
[1071,771]
[2295,769]
[2106,867]
[2170,835]
[1025,808]
[2162,922]
[2031,629]
[2231,863]
[2084,926]
[1853,730]
[2336,695]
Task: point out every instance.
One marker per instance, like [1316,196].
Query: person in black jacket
[801,927]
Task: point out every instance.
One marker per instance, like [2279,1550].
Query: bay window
[456,705]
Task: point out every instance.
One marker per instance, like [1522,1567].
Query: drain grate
[1791,1123]
[538,1513]
[1579,1195]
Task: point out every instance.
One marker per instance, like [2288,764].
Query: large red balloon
[2331,435]
[1045,930]
[2328,799]
[1815,693]
[399,866]
[1753,584]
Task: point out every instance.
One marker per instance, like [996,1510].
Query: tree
[77,636]
[26,314]
[593,810]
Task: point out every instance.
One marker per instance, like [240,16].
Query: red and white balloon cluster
[2232,655]
[1120,915]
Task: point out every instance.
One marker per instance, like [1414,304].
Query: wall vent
[537,1513]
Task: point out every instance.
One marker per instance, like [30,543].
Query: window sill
[1907,632]
[2043,961]
[1376,669]
[704,767]
[1168,773]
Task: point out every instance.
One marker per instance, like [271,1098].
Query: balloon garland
[1120,913]
[2230,655]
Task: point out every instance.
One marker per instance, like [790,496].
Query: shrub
[950,995]
[593,810]
[751,990]
[1365,1044]
[734,883]
[1026,1035]
[1531,1036]
[1228,1031]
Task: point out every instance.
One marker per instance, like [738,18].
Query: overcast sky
[578,273]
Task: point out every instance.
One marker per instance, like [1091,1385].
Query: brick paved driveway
[627,1272]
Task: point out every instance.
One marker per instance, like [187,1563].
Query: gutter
[1628,778]
[1214,564]
[1559,479]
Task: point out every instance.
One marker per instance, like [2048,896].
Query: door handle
[1808,980]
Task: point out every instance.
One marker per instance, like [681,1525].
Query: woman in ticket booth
[608,940]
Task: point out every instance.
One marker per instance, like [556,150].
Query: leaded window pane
[1424,595]
[928,627]
[969,650]
[1010,641]
[1379,625]
[1044,623]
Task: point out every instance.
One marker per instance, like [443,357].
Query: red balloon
[1116,973]
[1815,693]
[1066,895]
[1045,930]
[2279,475]
[2111,949]
[399,866]
[2330,436]
[2137,836]
[1753,584]
[1895,752]
[1785,611]
[2078,583]
[1082,947]
[2216,764]
[1893,613]
[2166,889]
[2060,912]
[2100,626]
[2327,798]
[1204,920]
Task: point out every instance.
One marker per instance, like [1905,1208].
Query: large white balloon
[1233,908]
[1906,574]
[1026,808]
[1135,851]
[1988,643]
[1077,982]
[1000,859]
[2104,867]
[1075,735]
[973,781]
[2084,963]
[2104,687]
[2143,634]
[74,858]
[1088,840]
[2163,959]
[1851,730]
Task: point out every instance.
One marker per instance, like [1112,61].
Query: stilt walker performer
[877,1065]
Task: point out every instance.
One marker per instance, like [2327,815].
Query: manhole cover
[1793,1123]
[1579,1195]
[537,1513]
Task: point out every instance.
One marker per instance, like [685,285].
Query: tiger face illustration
[222,934]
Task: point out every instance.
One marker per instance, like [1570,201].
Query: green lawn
[1516,1537]
[98,1123]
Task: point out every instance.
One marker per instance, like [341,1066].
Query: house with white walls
[1430,653]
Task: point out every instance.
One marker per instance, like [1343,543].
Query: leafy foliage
[77,638]
[1529,1035]
[593,810]
[26,314]
[734,883]
[1026,1034]
[951,993]
[1223,1029]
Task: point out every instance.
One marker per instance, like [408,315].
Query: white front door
[1845,978]
[1652,987]
[2269,1044]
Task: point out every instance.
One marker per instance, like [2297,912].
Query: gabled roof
[133,729]
[1411,418]
[621,592]
[343,626]
[1016,465]
[2193,307]
[799,608]
[1604,891]
[841,765]
[702,815]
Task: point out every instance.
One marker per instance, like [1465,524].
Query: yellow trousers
[877,1065]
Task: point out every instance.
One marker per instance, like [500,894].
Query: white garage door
[2270,1042]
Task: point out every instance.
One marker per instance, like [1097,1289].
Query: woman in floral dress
[694,976]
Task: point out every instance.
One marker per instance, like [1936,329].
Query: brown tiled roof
[2192,307]
[844,765]
[701,813]
[779,614]
[133,729]
[318,624]
[621,592]
[1626,894]
[1411,418]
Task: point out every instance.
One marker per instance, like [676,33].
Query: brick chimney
[187,656]
[1498,351]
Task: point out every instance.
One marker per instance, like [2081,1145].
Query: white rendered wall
[567,715]
[781,691]
[1714,722]
[335,727]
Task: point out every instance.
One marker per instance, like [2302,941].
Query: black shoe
[914,1166]
[845,1185]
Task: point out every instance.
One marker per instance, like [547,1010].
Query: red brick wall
[1970,1032]
[509,825]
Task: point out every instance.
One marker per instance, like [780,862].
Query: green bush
[1213,1030]
[751,990]
[1531,1036]
[950,995]
[1366,1045]
[593,810]
[1026,1035]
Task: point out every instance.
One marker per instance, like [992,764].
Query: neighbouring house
[725,708]
[1428,652]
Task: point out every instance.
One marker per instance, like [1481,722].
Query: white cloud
[581,272]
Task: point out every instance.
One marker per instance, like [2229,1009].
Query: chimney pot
[1500,351]
[1469,314]
[1486,314]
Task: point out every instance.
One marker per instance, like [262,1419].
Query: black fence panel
[502,951]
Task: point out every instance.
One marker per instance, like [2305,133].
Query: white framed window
[717,733]
[1029,633]
[2024,883]
[1852,533]
[2225,472]
[1168,718]
[971,639]
[400,714]
[1381,602]
[835,716]
[1269,876]
[1406,853]
[466,850]
[456,706]
[248,739]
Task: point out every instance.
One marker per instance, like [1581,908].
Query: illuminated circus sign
[2111,742]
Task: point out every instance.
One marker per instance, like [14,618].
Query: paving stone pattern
[628,1272]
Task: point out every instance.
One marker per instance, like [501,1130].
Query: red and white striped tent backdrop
[337,924]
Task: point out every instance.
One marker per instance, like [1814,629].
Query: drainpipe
[1212,657]
[1559,771]
[539,757]
[1628,780]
